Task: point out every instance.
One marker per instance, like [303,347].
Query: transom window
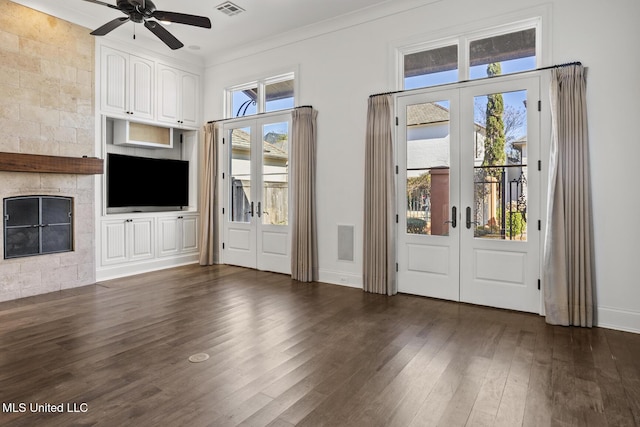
[262,96]
[467,57]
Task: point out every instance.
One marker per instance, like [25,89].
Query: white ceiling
[262,20]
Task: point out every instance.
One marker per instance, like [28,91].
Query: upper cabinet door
[113,87]
[127,84]
[168,80]
[189,99]
[177,97]
[141,75]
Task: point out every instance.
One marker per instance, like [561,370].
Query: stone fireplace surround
[27,276]
[47,96]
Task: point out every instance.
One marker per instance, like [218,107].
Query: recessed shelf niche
[141,135]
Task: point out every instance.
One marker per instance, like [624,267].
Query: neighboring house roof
[241,140]
[519,143]
[431,113]
[427,113]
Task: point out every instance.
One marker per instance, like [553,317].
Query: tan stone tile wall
[47,107]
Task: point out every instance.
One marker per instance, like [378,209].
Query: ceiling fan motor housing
[138,11]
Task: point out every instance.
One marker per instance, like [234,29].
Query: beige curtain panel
[209,198]
[568,248]
[379,200]
[304,240]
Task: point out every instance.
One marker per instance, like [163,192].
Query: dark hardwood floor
[284,353]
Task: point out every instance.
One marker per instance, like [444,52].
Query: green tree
[494,143]
[418,186]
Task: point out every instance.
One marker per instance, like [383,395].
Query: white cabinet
[177,235]
[141,242]
[177,96]
[127,240]
[126,85]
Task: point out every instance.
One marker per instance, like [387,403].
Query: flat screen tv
[142,181]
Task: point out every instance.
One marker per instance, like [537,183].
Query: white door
[469,193]
[500,240]
[256,193]
[428,194]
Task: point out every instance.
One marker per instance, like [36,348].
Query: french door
[469,193]
[256,232]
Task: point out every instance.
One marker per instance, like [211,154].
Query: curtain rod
[260,114]
[566,64]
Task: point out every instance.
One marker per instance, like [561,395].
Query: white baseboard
[621,320]
[340,278]
[129,269]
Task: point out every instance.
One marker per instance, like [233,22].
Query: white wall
[338,70]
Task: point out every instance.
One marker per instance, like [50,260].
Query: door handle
[251,211]
[259,209]
[469,222]
[454,217]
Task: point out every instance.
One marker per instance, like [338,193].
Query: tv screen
[142,181]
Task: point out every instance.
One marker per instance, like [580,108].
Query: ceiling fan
[140,11]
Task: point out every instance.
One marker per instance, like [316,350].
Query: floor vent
[199,357]
[229,8]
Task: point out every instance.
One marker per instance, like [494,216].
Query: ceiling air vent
[229,8]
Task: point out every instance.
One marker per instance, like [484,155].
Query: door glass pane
[244,102]
[511,52]
[279,95]
[275,174]
[428,161]
[431,67]
[240,173]
[500,166]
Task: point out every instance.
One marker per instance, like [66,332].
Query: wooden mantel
[17,162]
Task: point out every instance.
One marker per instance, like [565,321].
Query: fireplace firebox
[37,225]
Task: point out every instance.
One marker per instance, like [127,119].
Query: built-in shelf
[18,162]
[141,135]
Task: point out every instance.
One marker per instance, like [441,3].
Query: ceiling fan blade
[103,3]
[109,26]
[163,34]
[182,18]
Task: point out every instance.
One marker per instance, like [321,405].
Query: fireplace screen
[37,225]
